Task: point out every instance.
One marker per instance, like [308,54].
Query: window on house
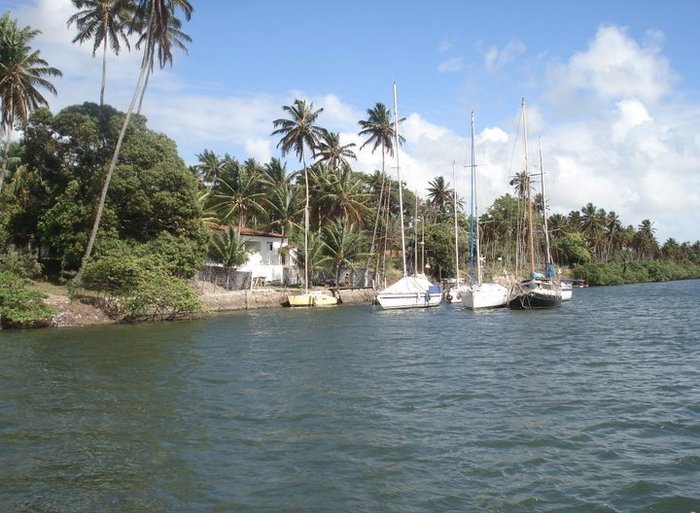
[270,245]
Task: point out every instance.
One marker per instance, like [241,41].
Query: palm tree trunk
[7,127]
[306,227]
[5,156]
[143,91]
[104,73]
[113,164]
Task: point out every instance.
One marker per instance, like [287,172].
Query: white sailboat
[539,290]
[479,294]
[410,291]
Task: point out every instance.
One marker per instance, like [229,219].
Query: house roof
[250,232]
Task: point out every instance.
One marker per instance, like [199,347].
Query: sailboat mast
[475,209]
[530,234]
[454,197]
[548,252]
[398,173]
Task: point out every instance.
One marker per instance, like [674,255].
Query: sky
[612,90]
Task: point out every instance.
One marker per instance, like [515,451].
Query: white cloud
[451,65]
[615,66]
[495,58]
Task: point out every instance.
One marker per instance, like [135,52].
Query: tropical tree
[228,248]
[170,35]
[380,133]
[210,167]
[22,73]
[338,194]
[379,130]
[332,152]
[105,22]
[344,244]
[240,197]
[440,195]
[158,16]
[299,132]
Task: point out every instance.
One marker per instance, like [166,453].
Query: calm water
[594,407]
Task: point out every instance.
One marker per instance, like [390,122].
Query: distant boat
[539,290]
[312,298]
[567,290]
[410,291]
[479,294]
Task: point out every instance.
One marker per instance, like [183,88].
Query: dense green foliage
[20,306]
[137,285]
[51,198]
[636,272]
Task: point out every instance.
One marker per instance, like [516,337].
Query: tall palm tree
[331,151]
[171,36]
[106,23]
[299,132]
[22,73]
[210,168]
[439,193]
[158,15]
[380,133]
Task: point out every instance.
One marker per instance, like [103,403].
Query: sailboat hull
[395,301]
[410,292]
[486,295]
[533,294]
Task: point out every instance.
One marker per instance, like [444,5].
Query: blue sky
[613,89]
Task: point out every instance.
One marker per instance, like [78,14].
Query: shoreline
[73,313]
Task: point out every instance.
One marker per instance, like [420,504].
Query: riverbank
[81,312]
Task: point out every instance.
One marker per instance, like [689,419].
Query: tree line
[102,201]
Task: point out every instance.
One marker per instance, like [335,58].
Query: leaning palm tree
[298,132]
[22,73]
[171,36]
[158,15]
[104,22]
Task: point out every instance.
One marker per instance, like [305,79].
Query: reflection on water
[591,407]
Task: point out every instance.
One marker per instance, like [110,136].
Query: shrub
[21,307]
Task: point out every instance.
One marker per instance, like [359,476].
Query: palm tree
[331,151]
[379,130]
[158,15]
[103,21]
[344,244]
[210,168]
[240,197]
[228,248]
[22,73]
[299,132]
[339,194]
[171,36]
[440,195]
[520,183]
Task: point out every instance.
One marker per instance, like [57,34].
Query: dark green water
[594,407]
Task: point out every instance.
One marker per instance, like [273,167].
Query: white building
[266,263]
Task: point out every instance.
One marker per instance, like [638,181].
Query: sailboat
[313,297]
[457,292]
[479,294]
[539,290]
[410,291]
[564,285]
